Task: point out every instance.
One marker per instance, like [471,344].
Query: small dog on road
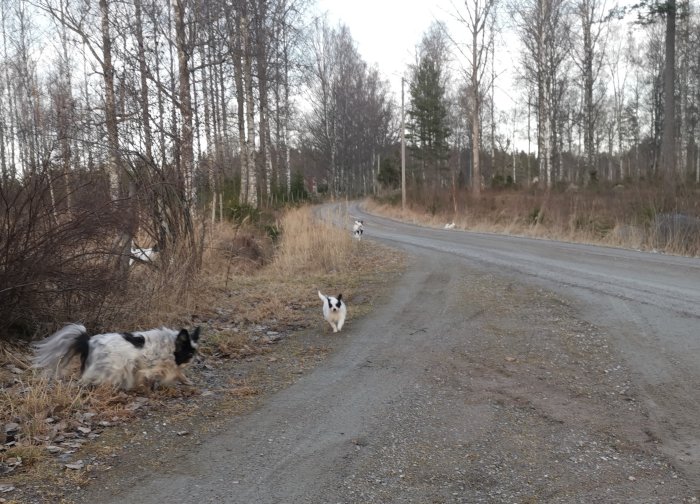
[357,229]
[123,360]
[334,310]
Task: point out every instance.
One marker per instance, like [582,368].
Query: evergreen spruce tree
[427,130]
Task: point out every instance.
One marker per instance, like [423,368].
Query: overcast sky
[388,31]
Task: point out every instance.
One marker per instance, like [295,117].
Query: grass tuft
[311,246]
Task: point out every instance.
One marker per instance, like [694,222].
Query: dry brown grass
[246,281]
[242,389]
[45,409]
[310,246]
[310,255]
[631,217]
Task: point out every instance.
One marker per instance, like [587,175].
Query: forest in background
[143,123]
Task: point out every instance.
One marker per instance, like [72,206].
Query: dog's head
[334,304]
[331,303]
[186,345]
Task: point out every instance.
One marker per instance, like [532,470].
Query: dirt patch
[529,405]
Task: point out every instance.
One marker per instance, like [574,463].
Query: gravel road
[500,369]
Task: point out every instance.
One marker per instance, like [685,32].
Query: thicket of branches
[602,95]
[53,262]
[137,123]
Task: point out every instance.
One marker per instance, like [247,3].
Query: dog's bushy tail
[55,352]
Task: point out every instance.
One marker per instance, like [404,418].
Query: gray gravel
[497,371]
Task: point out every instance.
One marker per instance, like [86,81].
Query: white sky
[388,31]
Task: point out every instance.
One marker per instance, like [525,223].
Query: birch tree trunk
[252,182]
[235,40]
[206,63]
[143,75]
[5,111]
[113,162]
[185,105]
[668,144]
[476,124]
[65,113]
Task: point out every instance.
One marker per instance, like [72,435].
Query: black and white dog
[334,310]
[357,229]
[123,360]
[144,255]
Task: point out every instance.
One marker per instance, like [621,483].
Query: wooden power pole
[403,153]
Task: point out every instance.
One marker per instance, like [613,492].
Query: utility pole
[403,153]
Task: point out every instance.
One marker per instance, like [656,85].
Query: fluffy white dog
[123,360]
[334,310]
[357,229]
[145,255]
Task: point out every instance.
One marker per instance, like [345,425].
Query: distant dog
[334,310]
[451,225]
[145,255]
[357,229]
[123,360]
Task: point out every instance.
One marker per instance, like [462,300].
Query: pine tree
[427,124]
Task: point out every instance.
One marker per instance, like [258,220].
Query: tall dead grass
[639,217]
[311,246]
[246,281]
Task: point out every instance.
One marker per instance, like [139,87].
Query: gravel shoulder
[459,387]
[454,383]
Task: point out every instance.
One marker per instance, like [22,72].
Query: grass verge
[252,297]
[636,217]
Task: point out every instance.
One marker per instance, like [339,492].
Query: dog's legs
[182,378]
[335,329]
[340,324]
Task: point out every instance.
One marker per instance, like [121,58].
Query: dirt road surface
[499,369]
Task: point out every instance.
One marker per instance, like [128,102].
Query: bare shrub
[54,260]
[676,232]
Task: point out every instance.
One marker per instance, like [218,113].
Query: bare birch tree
[592,18]
[544,36]
[183,44]
[478,18]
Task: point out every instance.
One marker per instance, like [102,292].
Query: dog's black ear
[195,334]
[183,337]
[340,297]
